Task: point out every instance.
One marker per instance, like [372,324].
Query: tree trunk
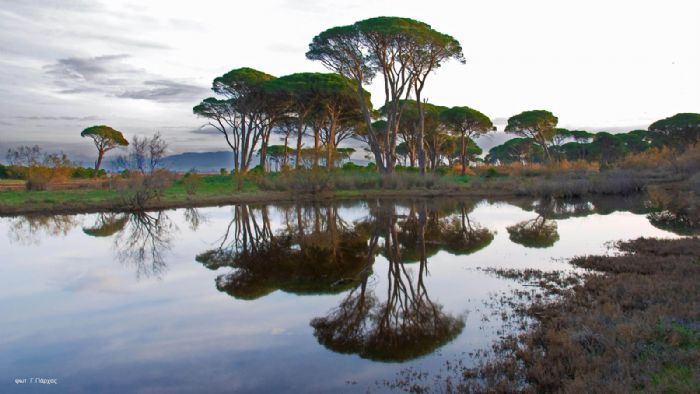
[244,146]
[98,163]
[388,166]
[317,137]
[263,150]
[421,134]
[464,154]
[331,144]
[412,155]
[299,137]
[371,137]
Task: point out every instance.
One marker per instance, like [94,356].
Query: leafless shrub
[141,189]
[145,154]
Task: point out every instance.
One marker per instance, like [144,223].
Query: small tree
[105,139]
[145,155]
[468,123]
[538,124]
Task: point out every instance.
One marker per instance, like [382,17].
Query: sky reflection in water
[273,298]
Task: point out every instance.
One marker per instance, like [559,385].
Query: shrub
[191,182]
[303,181]
[3,172]
[87,173]
[443,170]
[622,182]
[491,172]
[223,172]
[406,169]
[649,159]
[40,177]
[141,189]
[350,166]
[320,180]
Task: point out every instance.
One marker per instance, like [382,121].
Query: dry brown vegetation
[636,173]
[635,328]
[630,324]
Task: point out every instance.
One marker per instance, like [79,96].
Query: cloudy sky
[141,66]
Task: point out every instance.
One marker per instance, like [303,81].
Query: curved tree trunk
[98,163]
[371,137]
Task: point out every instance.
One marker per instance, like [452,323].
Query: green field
[218,190]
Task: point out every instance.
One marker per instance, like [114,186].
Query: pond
[275,298]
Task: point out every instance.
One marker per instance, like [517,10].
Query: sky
[140,66]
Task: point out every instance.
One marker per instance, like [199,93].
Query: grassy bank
[557,179]
[220,190]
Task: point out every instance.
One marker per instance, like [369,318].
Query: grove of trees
[329,108]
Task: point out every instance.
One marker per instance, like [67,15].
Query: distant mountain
[201,161]
[211,161]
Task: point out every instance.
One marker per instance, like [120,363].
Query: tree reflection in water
[194,218]
[107,224]
[407,323]
[141,239]
[27,229]
[315,251]
[146,238]
[534,233]
[541,232]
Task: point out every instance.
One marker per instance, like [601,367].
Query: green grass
[678,377]
[213,189]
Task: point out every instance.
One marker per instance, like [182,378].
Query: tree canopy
[109,137]
[681,130]
[404,51]
[537,124]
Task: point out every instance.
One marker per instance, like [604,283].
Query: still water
[327,297]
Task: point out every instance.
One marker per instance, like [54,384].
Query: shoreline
[108,205]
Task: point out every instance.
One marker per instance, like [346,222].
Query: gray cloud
[111,76]
[122,40]
[204,129]
[165,91]
[69,118]
[90,74]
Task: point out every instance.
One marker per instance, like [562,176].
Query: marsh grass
[630,323]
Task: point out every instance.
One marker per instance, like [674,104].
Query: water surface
[274,298]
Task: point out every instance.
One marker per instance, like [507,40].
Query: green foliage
[4,173]
[105,135]
[536,124]
[492,173]
[516,150]
[87,173]
[466,120]
[680,130]
[239,82]
[316,89]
